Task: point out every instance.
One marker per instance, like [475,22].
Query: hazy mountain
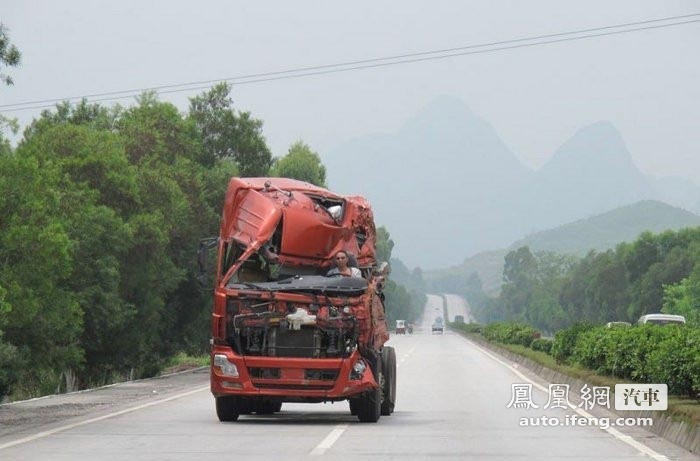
[428,182]
[606,230]
[590,173]
[446,186]
[487,264]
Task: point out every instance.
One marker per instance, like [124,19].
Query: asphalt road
[452,404]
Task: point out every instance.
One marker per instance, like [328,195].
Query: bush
[649,354]
[565,341]
[468,327]
[510,333]
[629,349]
[591,349]
[676,362]
[542,345]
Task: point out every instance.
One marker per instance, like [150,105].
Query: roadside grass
[182,362]
[679,408]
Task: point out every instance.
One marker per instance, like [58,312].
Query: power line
[367,63]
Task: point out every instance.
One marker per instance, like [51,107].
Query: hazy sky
[646,83]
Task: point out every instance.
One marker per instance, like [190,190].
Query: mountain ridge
[446,185]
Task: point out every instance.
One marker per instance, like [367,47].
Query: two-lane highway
[452,404]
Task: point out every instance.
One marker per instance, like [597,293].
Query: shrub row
[468,327]
[650,354]
[511,333]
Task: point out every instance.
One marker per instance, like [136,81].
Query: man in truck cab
[342,266]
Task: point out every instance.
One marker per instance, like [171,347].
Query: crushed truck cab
[282,331]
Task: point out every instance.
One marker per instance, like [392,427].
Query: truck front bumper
[290,378]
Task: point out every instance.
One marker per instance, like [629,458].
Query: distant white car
[661,319]
[618,325]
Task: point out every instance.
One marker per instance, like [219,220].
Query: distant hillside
[599,232]
[606,230]
[446,185]
[487,264]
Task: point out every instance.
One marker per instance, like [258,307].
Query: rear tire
[227,408]
[389,380]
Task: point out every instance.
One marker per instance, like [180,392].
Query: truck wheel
[370,406]
[389,380]
[227,408]
[277,407]
[354,405]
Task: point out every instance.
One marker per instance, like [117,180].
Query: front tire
[370,406]
[227,408]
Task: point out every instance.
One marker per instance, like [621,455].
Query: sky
[645,83]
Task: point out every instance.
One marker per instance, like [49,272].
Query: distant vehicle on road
[438,326]
[400,327]
[618,325]
[459,319]
[661,319]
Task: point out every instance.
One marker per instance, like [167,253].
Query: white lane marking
[329,440]
[99,418]
[407,354]
[614,432]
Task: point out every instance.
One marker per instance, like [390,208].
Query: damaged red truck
[282,331]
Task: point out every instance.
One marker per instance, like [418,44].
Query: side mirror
[204,246]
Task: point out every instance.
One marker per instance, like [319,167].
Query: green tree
[41,317]
[10,124]
[82,113]
[300,163]
[683,298]
[384,244]
[519,272]
[229,134]
[10,56]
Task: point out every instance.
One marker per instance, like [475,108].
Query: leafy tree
[300,163]
[83,113]
[683,298]
[43,320]
[404,291]
[519,272]
[7,124]
[229,134]
[10,56]
[384,244]
[97,185]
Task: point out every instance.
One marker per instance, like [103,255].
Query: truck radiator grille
[265,373]
[298,387]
